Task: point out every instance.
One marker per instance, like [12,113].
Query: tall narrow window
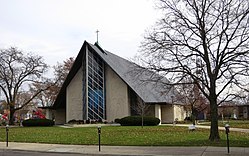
[96,101]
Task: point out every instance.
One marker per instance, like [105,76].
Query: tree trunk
[214,131]
[193,119]
[193,114]
[11,117]
[142,118]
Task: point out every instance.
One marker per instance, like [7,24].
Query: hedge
[73,121]
[137,121]
[37,122]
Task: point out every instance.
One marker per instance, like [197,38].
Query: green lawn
[127,136]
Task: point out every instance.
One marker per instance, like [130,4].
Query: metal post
[97,36]
[228,150]
[227,132]
[7,135]
[99,132]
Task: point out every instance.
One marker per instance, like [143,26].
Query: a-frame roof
[150,87]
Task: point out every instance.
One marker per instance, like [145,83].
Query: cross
[97,35]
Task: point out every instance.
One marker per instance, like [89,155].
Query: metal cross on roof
[97,35]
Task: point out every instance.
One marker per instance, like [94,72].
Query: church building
[102,85]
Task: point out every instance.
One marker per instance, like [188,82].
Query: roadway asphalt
[121,150]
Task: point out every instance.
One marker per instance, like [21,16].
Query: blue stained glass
[96,103]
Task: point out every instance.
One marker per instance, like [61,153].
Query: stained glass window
[96,101]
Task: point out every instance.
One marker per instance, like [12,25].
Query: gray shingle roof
[149,86]
[133,75]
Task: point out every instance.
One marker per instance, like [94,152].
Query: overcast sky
[56,29]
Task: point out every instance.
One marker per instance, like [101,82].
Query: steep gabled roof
[145,83]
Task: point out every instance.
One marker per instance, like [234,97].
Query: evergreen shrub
[137,121]
[37,122]
[117,120]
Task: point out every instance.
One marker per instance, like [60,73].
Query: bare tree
[61,70]
[214,33]
[17,71]
[194,100]
[140,108]
[47,97]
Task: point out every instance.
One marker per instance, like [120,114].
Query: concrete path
[124,150]
[208,127]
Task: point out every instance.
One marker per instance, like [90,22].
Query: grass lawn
[233,123]
[126,136]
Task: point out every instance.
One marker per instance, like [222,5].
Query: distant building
[233,110]
[104,86]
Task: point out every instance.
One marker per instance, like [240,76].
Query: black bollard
[7,135]
[227,132]
[99,132]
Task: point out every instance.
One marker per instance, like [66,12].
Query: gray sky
[56,29]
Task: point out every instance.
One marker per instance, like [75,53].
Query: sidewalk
[208,127]
[125,150]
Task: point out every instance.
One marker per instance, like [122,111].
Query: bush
[117,120]
[37,122]
[188,118]
[88,121]
[137,121]
[73,121]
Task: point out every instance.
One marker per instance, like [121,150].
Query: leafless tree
[61,70]
[17,71]
[193,99]
[48,96]
[209,35]
[140,108]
